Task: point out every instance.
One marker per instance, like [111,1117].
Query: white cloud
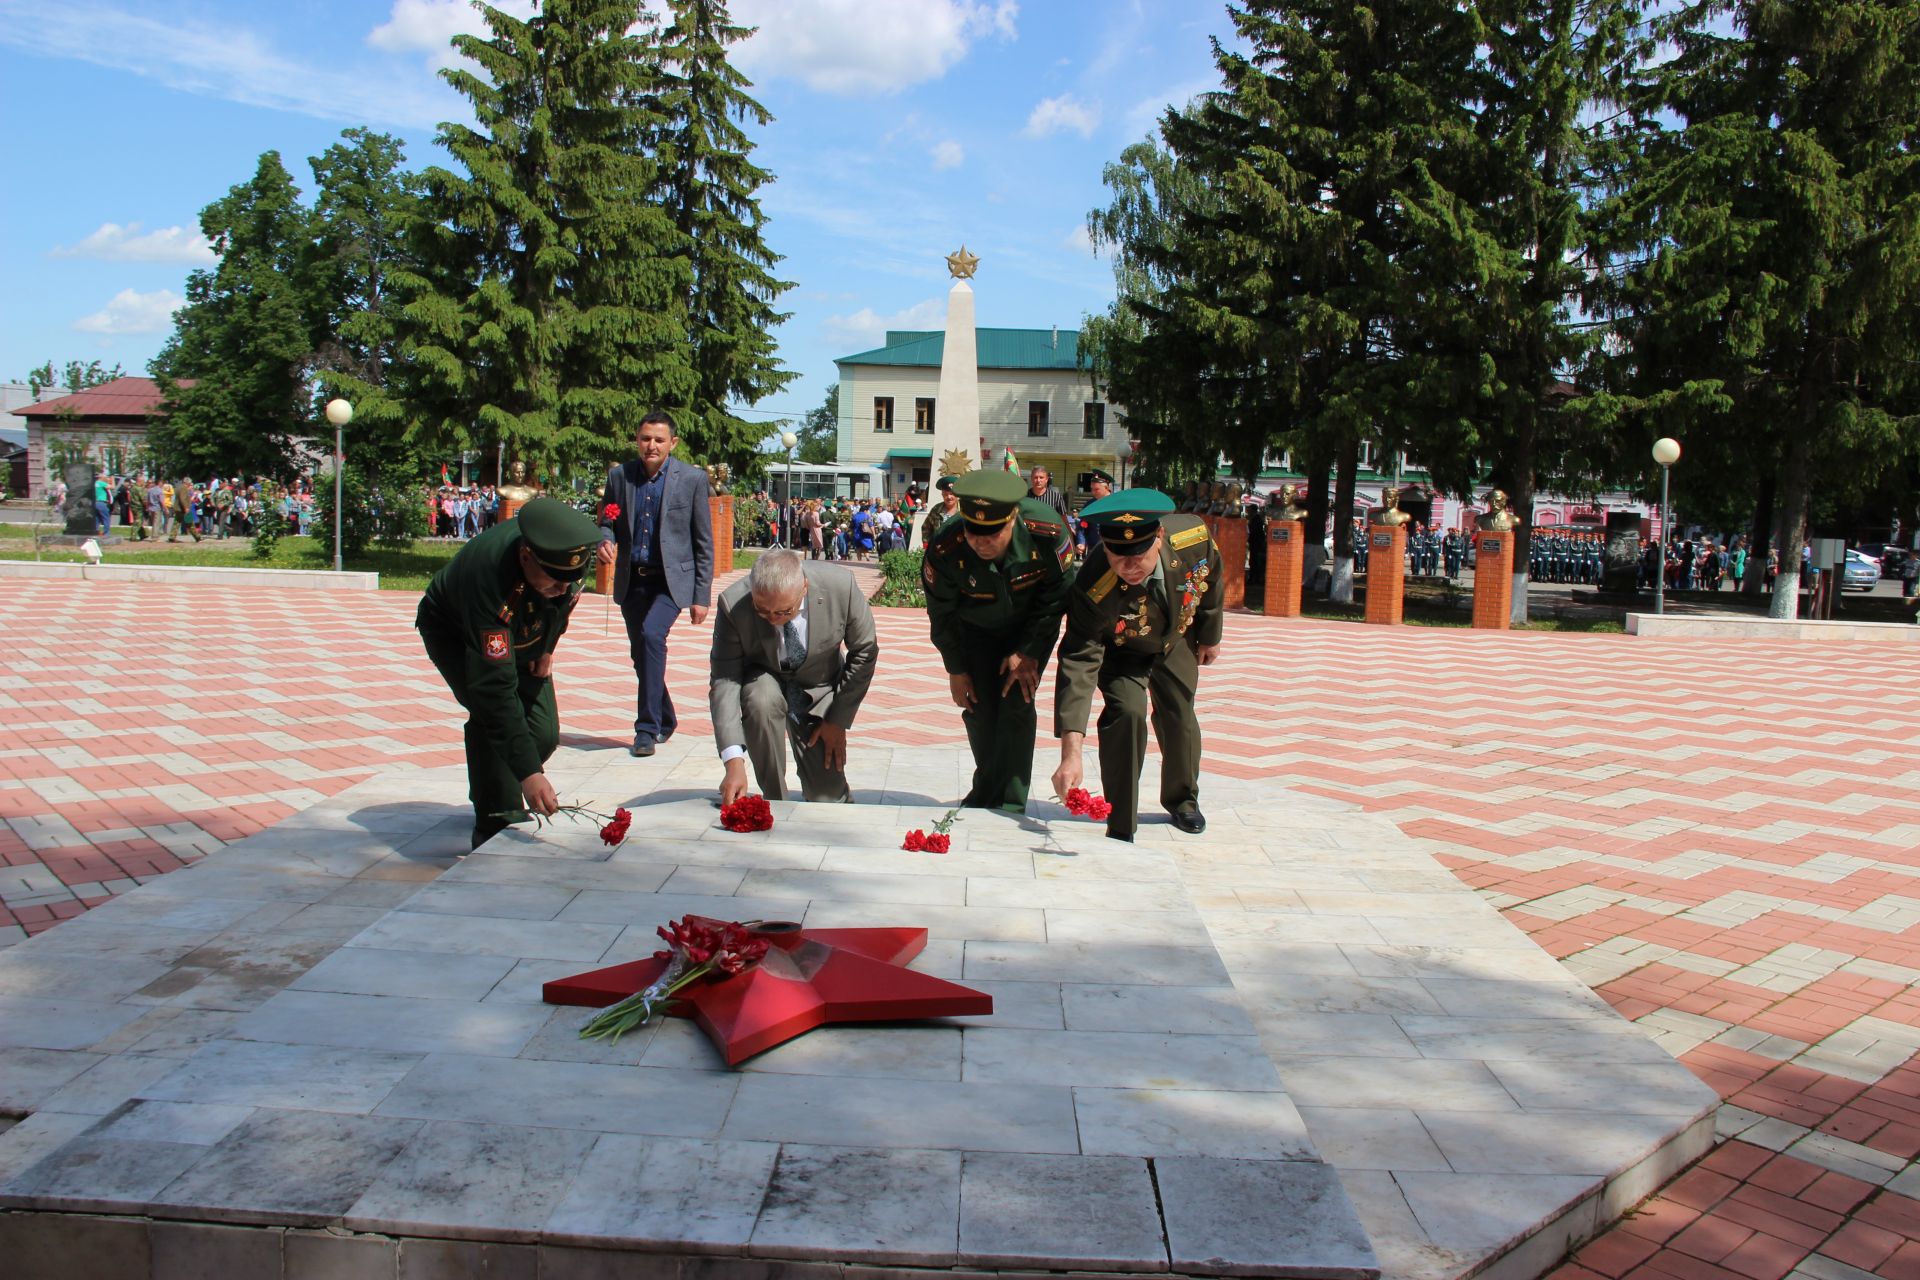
[226,61]
[1081,241]
[116,243]
[865,328]
[131,312]
[1062,114]
[429,26]
[866,47]
[948,154]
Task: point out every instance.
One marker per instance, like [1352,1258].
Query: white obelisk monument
[956,406]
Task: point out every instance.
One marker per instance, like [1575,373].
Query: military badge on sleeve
[494,644]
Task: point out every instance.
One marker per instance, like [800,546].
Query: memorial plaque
[1280,531]
[1621,571]
[1383,538]
[1489,546]
[79,506]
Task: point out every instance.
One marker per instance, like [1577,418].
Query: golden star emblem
[962,264]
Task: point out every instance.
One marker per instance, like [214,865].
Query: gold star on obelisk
[962,264]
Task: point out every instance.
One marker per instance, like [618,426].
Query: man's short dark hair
[660,415]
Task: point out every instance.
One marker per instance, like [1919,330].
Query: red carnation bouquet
[610,513]
[1087,806]
[748,813]
[697,948]
[935,841]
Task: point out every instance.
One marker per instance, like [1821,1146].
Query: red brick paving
[1743,812]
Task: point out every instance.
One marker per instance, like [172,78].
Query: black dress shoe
[642,745]
[1127,836]
[1191,821]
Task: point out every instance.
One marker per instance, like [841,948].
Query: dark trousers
[1000,730]
[649,613]
[491,786]
[1168,685]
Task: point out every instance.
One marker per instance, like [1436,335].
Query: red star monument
[810,977]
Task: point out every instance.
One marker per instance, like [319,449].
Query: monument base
[720,509]
[1230,535]
[1493,580]
[1386,573]
[1283,584]
[383,1087]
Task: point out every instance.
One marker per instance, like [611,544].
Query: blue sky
[902,129]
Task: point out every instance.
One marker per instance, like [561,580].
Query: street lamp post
[1666,452]
[339,413]
[790,440]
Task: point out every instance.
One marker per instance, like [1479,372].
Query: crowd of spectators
[831,529]
[148,506]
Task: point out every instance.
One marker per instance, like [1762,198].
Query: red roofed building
[105,425]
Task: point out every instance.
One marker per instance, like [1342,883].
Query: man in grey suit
[661,545]
[793,655]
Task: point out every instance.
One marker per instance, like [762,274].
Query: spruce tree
[708,184]
[545,314]
[1766,253]
[245,339]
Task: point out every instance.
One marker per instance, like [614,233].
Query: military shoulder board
[1102,586]
[1188,537]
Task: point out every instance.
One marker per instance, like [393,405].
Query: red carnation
[616,831]
[1083,804]
[916,841]
[748,813]
[610,512]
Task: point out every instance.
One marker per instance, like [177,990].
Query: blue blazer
[686,531]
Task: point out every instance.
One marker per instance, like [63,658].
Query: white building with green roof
[1035,401]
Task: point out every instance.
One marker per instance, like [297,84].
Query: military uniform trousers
[491,784]
[1138,688]
[770,729]
[1000,727]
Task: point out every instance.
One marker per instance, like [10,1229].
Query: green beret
[562,540]
[1128,516]
[988,499]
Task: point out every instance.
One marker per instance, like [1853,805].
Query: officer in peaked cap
[1143,617]
[943,508]
[1101,485]
[490,620]
[996,580]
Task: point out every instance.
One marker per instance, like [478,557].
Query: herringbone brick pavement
[1723,838]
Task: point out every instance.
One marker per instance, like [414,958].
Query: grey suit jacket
[686,531]
[840,651]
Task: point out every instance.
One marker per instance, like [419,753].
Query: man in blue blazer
[661,545]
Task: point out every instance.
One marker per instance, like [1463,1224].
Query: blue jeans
[102,517]
[649,612]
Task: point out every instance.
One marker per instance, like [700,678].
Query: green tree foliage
[708,186]
[364,205]
[545,313]
[820,430]
[234,373]
[76,377]
[1766,242]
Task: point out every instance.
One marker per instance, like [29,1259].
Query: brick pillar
[720,507]
[1386,572]
[1493,580]
[509,508]
[1285,547]
[1230,535]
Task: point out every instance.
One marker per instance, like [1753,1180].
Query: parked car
[1860,573]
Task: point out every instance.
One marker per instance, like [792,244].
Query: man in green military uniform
[1143,617]
[996,585]
[490,620]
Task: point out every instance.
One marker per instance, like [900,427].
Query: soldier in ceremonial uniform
[997,584]
[1143,617]
[490,620]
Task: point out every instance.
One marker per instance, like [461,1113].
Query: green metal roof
[909,453]
[996,349]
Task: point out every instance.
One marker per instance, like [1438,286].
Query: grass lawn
[399,570]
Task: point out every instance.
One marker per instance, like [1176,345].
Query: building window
[923,416]
[883,413]
[1093,421]
[1037,417]
[1366,455]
